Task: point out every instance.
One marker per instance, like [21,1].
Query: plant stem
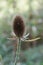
[18,51]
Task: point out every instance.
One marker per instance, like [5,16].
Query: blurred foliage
[34,56]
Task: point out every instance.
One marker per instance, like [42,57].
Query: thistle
[18,28]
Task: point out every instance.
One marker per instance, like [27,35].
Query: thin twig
[31,40]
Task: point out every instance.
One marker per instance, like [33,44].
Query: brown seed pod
[18,26]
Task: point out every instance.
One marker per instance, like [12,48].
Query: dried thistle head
[18,26]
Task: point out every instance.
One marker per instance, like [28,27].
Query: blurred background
[31,52]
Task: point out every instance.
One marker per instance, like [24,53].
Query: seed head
[18,26]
